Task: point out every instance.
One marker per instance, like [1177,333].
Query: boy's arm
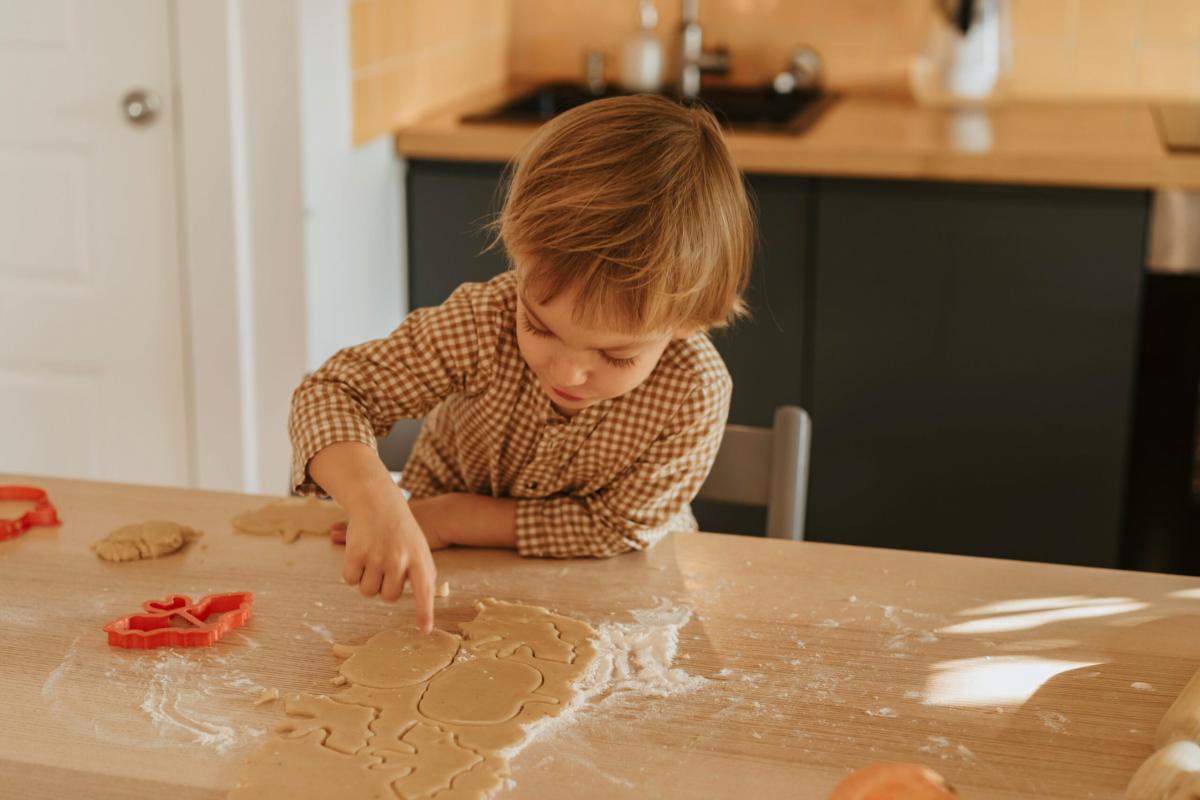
[631,514]
[384,544]
[471,520]
[359,393]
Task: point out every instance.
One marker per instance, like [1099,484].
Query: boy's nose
[566,374]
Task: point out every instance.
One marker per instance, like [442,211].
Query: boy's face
[579,366]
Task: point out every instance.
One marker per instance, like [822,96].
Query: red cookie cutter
[178,622]
[43,513]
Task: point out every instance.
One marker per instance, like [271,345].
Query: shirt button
[531,485]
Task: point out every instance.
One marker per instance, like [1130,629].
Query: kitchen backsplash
[410,56]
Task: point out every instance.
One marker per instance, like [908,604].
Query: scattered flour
[882,712]
[152,699]
[1141,686]
[632,658]
[1053,720]
[320,630]
[637,657]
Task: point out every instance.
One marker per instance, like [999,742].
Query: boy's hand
[384,548]
[426,513]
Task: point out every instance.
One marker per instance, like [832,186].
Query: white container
[957,67]
[642,56]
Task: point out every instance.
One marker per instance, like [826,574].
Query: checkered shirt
[615,477]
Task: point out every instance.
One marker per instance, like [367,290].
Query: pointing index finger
[421,575]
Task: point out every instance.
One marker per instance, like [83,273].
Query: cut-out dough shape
[486,691]
[434,757]
[144,540]
[303,767]
[291,519]
[504,639]
[426,714]
[345,724]
[397,658]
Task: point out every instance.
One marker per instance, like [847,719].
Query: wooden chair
[755,466]
[766,467]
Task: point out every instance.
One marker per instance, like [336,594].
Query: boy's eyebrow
[540,324]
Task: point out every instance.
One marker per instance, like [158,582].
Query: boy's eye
[620,362]
[536,331]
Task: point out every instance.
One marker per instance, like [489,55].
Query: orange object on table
[178,622]
[894,780]
[43,513]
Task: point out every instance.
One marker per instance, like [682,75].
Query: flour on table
[152,699]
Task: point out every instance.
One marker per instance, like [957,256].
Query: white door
[91,335]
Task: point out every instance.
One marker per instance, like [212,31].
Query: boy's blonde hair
[635,202]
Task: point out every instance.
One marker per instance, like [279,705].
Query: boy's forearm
[476,520]
[352,473]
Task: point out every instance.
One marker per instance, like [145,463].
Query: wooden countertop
[1012,679]
[1109,144]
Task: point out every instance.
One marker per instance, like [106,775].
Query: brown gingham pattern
[615,477]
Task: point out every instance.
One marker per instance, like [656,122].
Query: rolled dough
[1182,720]
[144,540]
[1167,766]
[290,519]
[426,714]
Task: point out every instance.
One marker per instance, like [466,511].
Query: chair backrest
[766,467]
[395,447]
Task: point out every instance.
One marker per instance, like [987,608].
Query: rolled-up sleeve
[359,393]
[645,502]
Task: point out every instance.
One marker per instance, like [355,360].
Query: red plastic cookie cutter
[178,622]
[43,513]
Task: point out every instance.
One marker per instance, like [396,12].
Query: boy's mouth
[565,395]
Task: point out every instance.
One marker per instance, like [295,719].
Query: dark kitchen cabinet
[973,367]
[448,204]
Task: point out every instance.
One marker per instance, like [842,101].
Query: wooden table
[1012,679]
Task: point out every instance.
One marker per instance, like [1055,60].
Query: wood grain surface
[1012,679]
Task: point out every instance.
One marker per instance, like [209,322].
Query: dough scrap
[426,714]
[291,519]
[144,540]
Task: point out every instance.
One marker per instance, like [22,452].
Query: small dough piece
[1182,720]
[1158,772]
[267,696]
[290,519]
[144,540]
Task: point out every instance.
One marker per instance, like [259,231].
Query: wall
[409,57]
[1061,48]
[353,199]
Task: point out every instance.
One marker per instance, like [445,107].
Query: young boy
[574,404]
